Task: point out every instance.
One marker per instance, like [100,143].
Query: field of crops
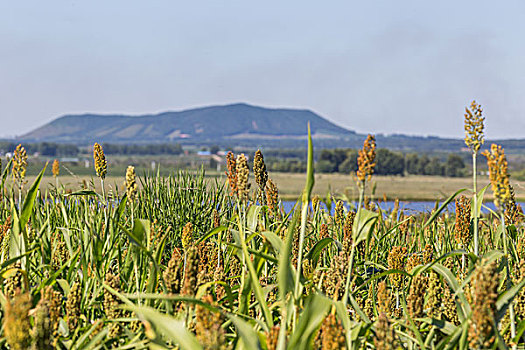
[182,263]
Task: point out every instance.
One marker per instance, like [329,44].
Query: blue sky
[372,66]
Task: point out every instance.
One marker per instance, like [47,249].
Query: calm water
[408,207]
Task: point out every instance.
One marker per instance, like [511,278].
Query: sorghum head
[131,184]
[259,170]
[101,165]
[56,168]
[474,127]
[498,174]
[462,224]
[243,187]
[231,174]
[19,163]
[365,159]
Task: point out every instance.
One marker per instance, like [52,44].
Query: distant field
[417,188]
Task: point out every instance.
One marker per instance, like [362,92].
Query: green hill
[237,121]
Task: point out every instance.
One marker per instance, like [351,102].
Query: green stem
[475,189]
[509,281]
[352,254]
[304,213]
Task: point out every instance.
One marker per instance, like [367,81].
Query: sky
[388,67]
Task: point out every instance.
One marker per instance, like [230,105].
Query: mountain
[216,123]
[232,125]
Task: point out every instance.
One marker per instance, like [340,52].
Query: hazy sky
[371,66]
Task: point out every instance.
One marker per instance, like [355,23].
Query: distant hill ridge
[239,124]
[236,121]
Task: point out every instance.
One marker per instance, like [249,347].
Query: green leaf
[211,233]
[252,217]
[315,252]
[310,179]
[463,305]
[246,332]
[357,309]
[141,231]
[309,321]
[285,270]
[363,225]
[506,298]
[475,212]
[29,202]
[275,241]
[446,327]
[441,208]
[172,329]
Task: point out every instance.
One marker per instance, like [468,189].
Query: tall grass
[193,264]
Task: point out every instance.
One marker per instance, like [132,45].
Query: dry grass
[414,187]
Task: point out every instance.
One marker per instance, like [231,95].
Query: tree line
[50,149]
[344,161]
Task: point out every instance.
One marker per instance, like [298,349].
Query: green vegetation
[188,263]
[185,262]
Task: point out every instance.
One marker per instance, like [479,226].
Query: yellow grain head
[216,219]
[513,210]
[462,223]
[474,137]
[208,326]
[332,333]
[383,298]
[111,303]
[434,292]
[259,170]
[481,333]
[243,187]
[101,165]
[187,236]
[131,184]
[19,163]
[56,168]
[384,336]
[231,173]
[498,174]
[173,272]
[349,224]
[272,197]
[396,260]
[272,338]
[42,332]
[191,272]
[74,299]
[339,213]
[366,158]
[17,327]
[416,296]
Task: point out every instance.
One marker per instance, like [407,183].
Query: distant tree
[325,166]
[412,163]
[333,156]
[455,166]
[389,163]
[214,149]
[435,167]
[422,165]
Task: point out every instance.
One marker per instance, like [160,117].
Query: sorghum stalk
[474,138]
[261,175]
[499,179]
[56,171]
[19,170]
[365,162]
[131,188]
[101,165]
